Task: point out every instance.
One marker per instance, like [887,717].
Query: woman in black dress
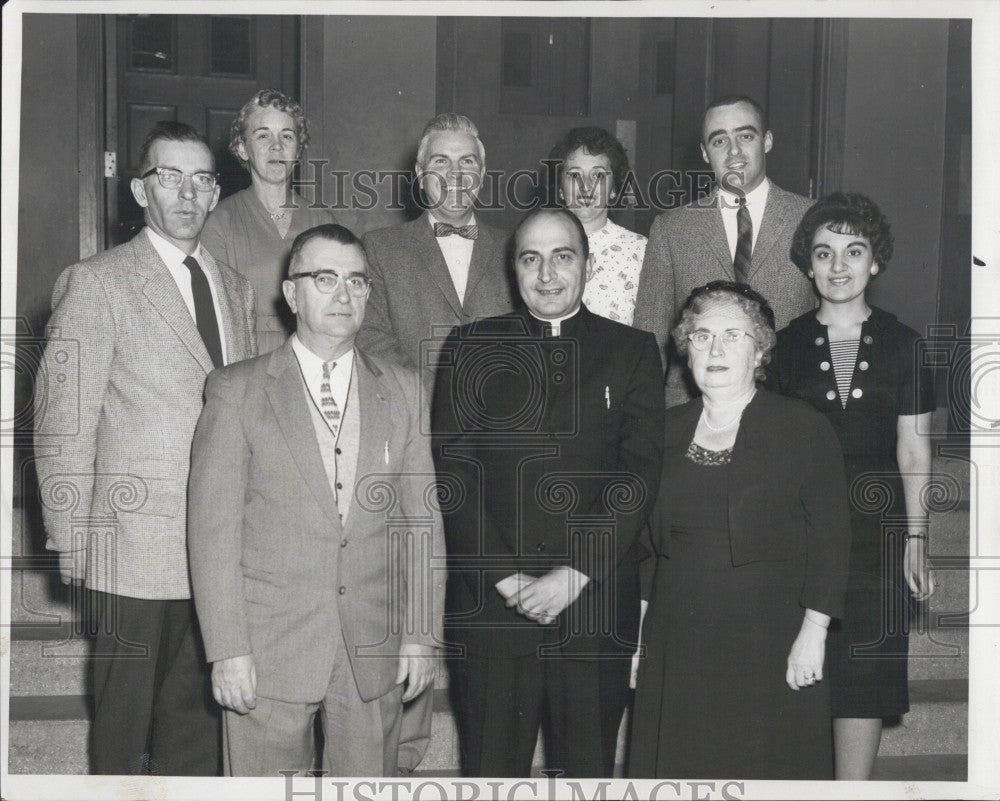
[856,363]
[751,535]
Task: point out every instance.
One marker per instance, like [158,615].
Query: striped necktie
[328,406]
[744,243]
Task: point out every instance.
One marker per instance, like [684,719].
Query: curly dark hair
[595,141]
[715,293]
[263,99]
[843,213]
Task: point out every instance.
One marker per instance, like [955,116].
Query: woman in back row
[252,231]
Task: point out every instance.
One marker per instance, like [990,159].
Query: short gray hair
[450,122]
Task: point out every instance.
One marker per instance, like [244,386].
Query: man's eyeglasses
[170,178]
[327,282]
[702,340]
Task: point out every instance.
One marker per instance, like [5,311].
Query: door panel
[197,69]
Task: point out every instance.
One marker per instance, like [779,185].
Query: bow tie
[464,231]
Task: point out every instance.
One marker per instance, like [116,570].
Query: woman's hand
[916,569]
[805,660]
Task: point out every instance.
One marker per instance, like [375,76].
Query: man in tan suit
[313,527]
[145,323]
[741,232]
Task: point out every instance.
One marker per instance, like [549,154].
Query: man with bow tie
[548,425]
[445,268]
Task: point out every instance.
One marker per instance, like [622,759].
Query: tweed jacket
[787,491]
[688,248]
[119,393]
[273,566]
[413,302]
[553,446]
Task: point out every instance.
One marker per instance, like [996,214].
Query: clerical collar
[557,322]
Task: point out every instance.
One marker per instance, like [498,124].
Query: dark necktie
[204,310]
[744,243]
[464,231]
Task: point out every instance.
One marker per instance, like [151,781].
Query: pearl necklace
[735,420]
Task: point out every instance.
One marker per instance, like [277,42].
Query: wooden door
[197,69]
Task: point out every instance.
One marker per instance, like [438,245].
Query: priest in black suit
[549,437]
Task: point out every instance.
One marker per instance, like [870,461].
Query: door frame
[97,122]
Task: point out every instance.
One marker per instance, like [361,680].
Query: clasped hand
[542,599]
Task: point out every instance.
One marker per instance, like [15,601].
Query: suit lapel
[478,264]
[428,254]
[709,223]
[376,427]
[161,290]
[286,394]
[774,221]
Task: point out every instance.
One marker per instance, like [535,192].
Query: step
[39,667]
[937,723]
[939,653]
[38,597]
[51,747]
[922,768]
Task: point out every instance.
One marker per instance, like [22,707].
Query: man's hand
[417,667]
[544,598]
[73,566]
[234,683]
[511,586]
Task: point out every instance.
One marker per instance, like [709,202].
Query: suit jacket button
[337,451]
[343,543]
[342,590]
[863,366]
[820,340]
[824,366]
[856,393]
[831,395]
[867,339]
[339,485]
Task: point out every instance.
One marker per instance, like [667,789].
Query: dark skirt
[711,699]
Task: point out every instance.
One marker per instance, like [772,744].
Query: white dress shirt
[729,204]
[312,372]
[174,257]
[457,252]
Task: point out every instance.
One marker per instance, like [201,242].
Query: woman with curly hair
[252,231]
[750,535]
[591,167]
[857,364]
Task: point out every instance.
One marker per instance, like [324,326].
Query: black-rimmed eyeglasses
[170,178]
[327,282]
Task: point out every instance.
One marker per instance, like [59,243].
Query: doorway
[196,69]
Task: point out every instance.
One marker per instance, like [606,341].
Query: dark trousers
[153,706]
[501,702]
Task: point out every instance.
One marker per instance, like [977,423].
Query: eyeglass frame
[161,171]
[721,337]
[316,274]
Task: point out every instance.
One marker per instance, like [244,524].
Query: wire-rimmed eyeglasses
[702,340]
